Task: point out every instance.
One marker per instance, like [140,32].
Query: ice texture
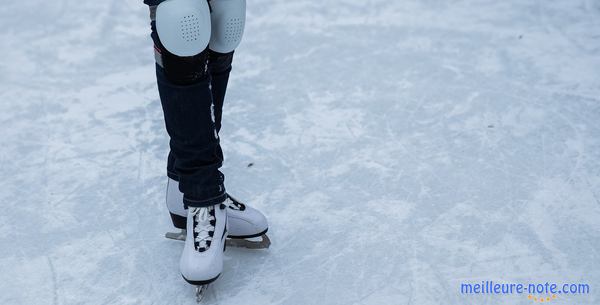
[399,148]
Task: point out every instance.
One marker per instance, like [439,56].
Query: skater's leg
[225,39]
[184,87]
[219,67]
[228,18]
[181,32]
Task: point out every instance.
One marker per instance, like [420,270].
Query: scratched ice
[399,149]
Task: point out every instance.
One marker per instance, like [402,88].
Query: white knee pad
[183,26]
[228,21]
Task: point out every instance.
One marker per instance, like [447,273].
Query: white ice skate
[247,227]
[202,259]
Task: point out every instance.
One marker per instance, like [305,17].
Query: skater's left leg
[228,20]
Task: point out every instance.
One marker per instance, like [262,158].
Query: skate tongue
[203,227]
[201,214]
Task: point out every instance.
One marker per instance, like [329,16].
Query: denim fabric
[153,2]
[219,66]
[195,150]
[192,112]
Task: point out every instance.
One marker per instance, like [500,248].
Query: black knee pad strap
[219,63]
[181,70]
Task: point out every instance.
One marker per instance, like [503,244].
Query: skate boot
[247,227]
[202,259]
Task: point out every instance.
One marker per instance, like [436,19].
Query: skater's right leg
[181,50]
[202,258]
[181,32]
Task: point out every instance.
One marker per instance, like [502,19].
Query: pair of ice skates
[207,231]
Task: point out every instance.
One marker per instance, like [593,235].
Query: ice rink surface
[399,148]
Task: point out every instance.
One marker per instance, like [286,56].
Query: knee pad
[184,26]
[228,19]
[181,39]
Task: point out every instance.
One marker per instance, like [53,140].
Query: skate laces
[204,227]
[234,204]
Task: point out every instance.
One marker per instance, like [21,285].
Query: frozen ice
[399,148]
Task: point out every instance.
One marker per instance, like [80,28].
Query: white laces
[203,229]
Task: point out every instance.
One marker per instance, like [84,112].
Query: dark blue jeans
[192,92]
[153,2]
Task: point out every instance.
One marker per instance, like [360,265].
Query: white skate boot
[247,227]
[202,259]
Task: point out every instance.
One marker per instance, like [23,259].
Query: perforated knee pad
[228,19]
[184,26]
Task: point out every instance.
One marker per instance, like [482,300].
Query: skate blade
[177,235]
[263,243]
[200,292]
